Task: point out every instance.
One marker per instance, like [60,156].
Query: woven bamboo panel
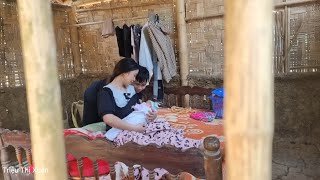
[99,55]
[11,65]
[64,52]
[205,38]
[304,33]
[203,8]
[11,60]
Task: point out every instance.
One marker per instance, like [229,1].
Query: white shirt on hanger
[145,56]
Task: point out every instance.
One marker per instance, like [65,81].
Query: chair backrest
[175,96]
[77,113]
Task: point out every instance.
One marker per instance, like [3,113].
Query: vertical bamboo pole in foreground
[43,89]
[183,45]
[249,105]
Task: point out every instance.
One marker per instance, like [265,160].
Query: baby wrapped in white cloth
[138,116]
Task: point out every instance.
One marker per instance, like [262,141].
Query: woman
[90,109]
[116,99]
[115,102]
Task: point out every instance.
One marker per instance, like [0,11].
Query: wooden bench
[202,164]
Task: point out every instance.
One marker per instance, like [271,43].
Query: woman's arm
[116,122]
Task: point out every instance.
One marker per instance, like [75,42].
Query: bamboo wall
[11,62]
[205,36]
[205,28]
[304,33]
[99,55]
[296,36]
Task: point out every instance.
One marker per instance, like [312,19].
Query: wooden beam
[43,89]
[61,7]
[305,67]
[80,2]
[218,15]
[294,3]
[249,113]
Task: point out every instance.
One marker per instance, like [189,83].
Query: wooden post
[212,158]
[74,36]
[249,112]
[43,89]
[183,46]
[287,39]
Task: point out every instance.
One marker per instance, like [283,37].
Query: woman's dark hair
[123,66]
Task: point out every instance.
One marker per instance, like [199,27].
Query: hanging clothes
[137,38]
[133,56]
[107,28]
[124,41]
[145,56]
[148,59]
[120,41]
[127,41]
[162,45]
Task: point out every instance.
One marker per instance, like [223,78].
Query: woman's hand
[152,115]
[139,128]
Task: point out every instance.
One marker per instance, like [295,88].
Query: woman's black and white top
[111,100]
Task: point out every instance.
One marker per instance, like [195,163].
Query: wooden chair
[77,113]
[202,164]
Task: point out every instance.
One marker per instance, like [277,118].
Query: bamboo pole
[249,112]
[83,2]
[182,39]
[121,6]
[43,89]
[217,15]
[287,38]
[294,3]
[183,46]
[114,20]
[74,36]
